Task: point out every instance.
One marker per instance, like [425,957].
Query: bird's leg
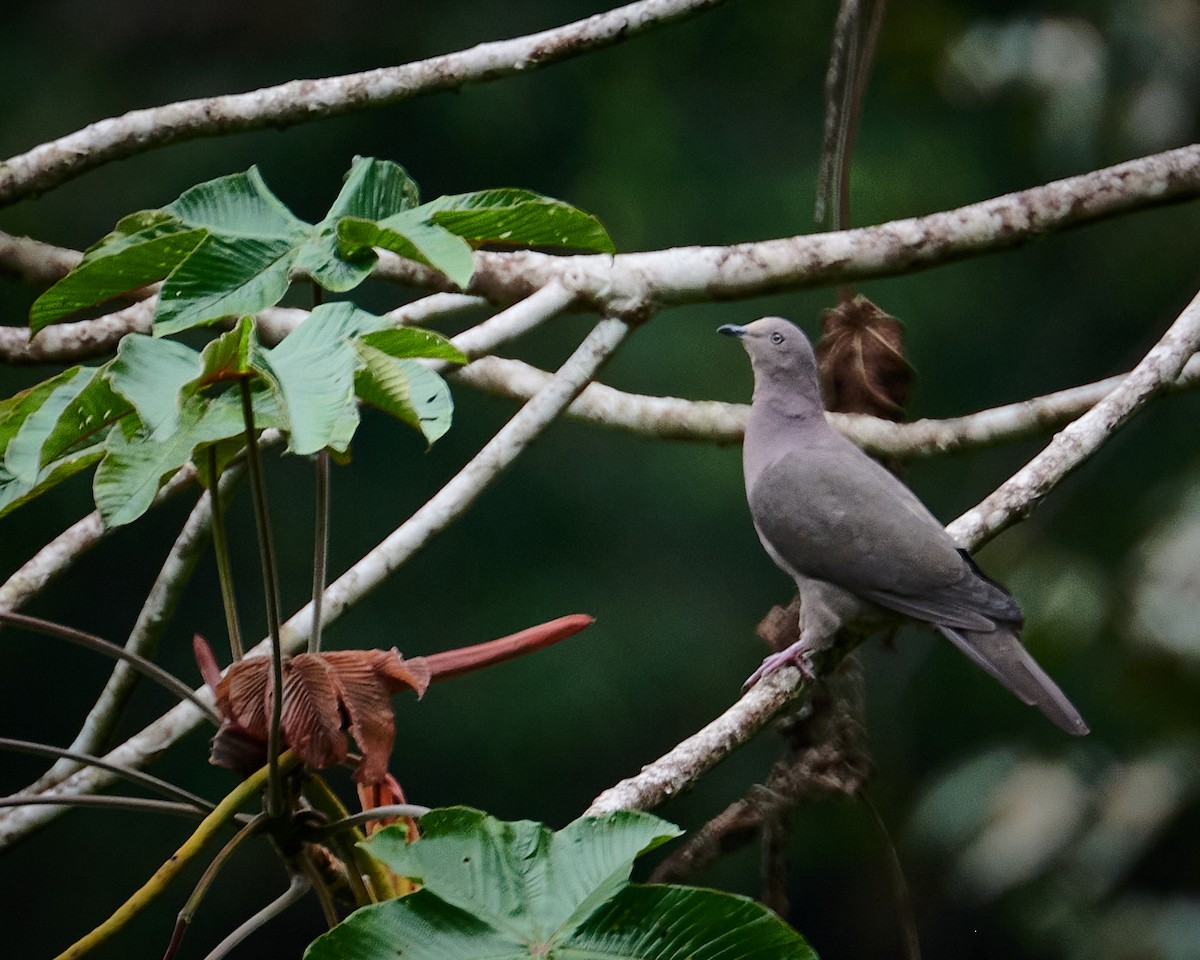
[823,611]
[797,655]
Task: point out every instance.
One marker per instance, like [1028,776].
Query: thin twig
[673,418]
[87,760]
[132,804]
[1014,499]
[298,887]
[224,561]
[92,642]
[184,919]
[320,545]
[375,813]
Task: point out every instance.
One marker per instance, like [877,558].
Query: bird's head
[779,352]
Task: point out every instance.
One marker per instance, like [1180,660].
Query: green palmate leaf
[18,407]
[683,923]
[14,493]
[517,891]
[150,374]
[227,247]
[410,235]
[144,248]
[517,217]
[133,470]
[406,390]
[312,373]
[23,455]
[414,342]
[373,189]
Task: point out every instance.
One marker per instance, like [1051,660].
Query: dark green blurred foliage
[1017,843]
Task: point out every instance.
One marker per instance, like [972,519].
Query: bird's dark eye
[777,338]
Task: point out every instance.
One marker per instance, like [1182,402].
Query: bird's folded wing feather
[831,513]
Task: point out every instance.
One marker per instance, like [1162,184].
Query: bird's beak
[732,330]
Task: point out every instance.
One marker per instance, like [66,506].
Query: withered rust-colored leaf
[321,693]
[861,359]
[311,721]
[326,693]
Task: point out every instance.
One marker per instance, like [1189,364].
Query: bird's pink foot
[795,655]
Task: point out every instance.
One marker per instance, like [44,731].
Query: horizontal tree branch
[636,284]
[138,131]
[713,421]
[632,281]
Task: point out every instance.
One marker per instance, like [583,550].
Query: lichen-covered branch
[643,282]
[50,164]
[1017,496]
[673,418]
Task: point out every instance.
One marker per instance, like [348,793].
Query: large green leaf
[133,469]
[312,373]
[517,891]
[517,217]
[406,390]
[413,237]
[227,247]
[150,374]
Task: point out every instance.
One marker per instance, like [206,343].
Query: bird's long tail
[1001,653]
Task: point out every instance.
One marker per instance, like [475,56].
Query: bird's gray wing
[831,513]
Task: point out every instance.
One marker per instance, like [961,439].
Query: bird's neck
[778,422]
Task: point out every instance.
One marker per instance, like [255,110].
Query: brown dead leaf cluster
[324,694]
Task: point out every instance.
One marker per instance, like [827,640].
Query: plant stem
[320,547]
[202,886]
[224,564]
[224,812]
[126,773]
[299,887]
[266,551]
[134,804]
[92,642]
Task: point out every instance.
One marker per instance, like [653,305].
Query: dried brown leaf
[861,359]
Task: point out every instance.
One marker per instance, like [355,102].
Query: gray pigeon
[859,544]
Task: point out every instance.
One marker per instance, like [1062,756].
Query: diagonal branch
[299,101]
[1016,498]
[371,570]
[688,761]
